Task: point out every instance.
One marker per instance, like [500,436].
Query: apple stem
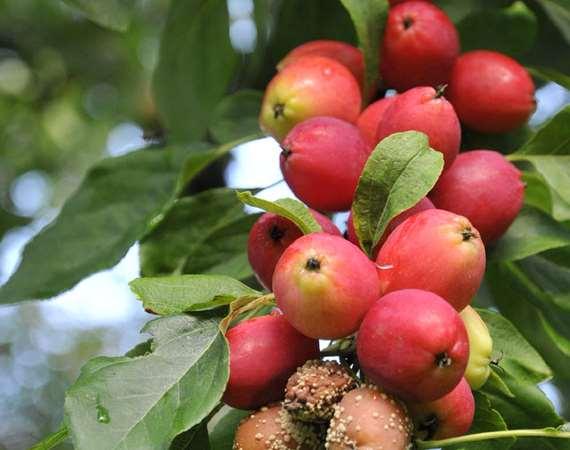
[440,90]
[546,433]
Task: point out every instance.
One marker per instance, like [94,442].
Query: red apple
[437,251]
[264,352]
[321,161]
[308,88]
[346,54]
[484,187]
[419,47]
[424,109]
[414,344]
[422,205]
[324,285]
[491,92]
[368,419]
[370,119]
[270,235]
[446,417]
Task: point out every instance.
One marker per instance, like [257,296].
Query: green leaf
[536,192]
[369,18]
[9,221]
[223,431]
[510,30]
[553,138]
[559,13]
[205,233]
[236,115]
[532,232]
[113,14]
[194,439]
[398,174]
[548,74]
[289,208]
[53,440]
[145,402]
[486,419]
[182,293]
[195,67]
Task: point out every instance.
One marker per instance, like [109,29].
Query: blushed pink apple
[325,285]
[370,118]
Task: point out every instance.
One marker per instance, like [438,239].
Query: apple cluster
[420,349]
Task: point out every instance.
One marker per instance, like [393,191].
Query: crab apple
[370,118]
[272,428]
[321,161]
[422,205]
[446,417]
[264,353]
[315,388]
[369,419]
[414,344]
[346,54]
[484,187]
[397,2]
[270,235]
[420,46]
[308,88]
[324,285]
[480,348]
[437,251]
[491,92]
[424,109]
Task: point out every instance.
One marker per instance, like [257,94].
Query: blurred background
[72,93]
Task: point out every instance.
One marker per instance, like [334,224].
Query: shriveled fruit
[437,251]
[369,419]
[271,428]
[413,344]
[322,160]
[324,285]
[484,187]
[309,88]
[270,236]
[315,388]
[264,353]
[480,348]
[446,417]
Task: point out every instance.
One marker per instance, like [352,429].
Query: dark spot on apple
[313,264]
[443,360]
[276,233]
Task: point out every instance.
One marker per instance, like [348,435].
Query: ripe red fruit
[368,419]
[420,46]
[447,417]
[270,235]
[424,109]
[491,92]
[321,161]
[414,344]
[397,2]
[264,353]
[324,285]
[484,187]
[370,119]
[308,88]
[437,251]
[346,54]
[422,205]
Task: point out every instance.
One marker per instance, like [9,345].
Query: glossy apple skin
[437,251]
[264,352]
[414,344]
[484,187]
[419,48]
[322,160]
[481,348]
[370,119]
[346,54]
[324,285]
[421,109]
[270,235]
[422,205]
[447,417]
[309,88]
[491,92]
[370,419]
